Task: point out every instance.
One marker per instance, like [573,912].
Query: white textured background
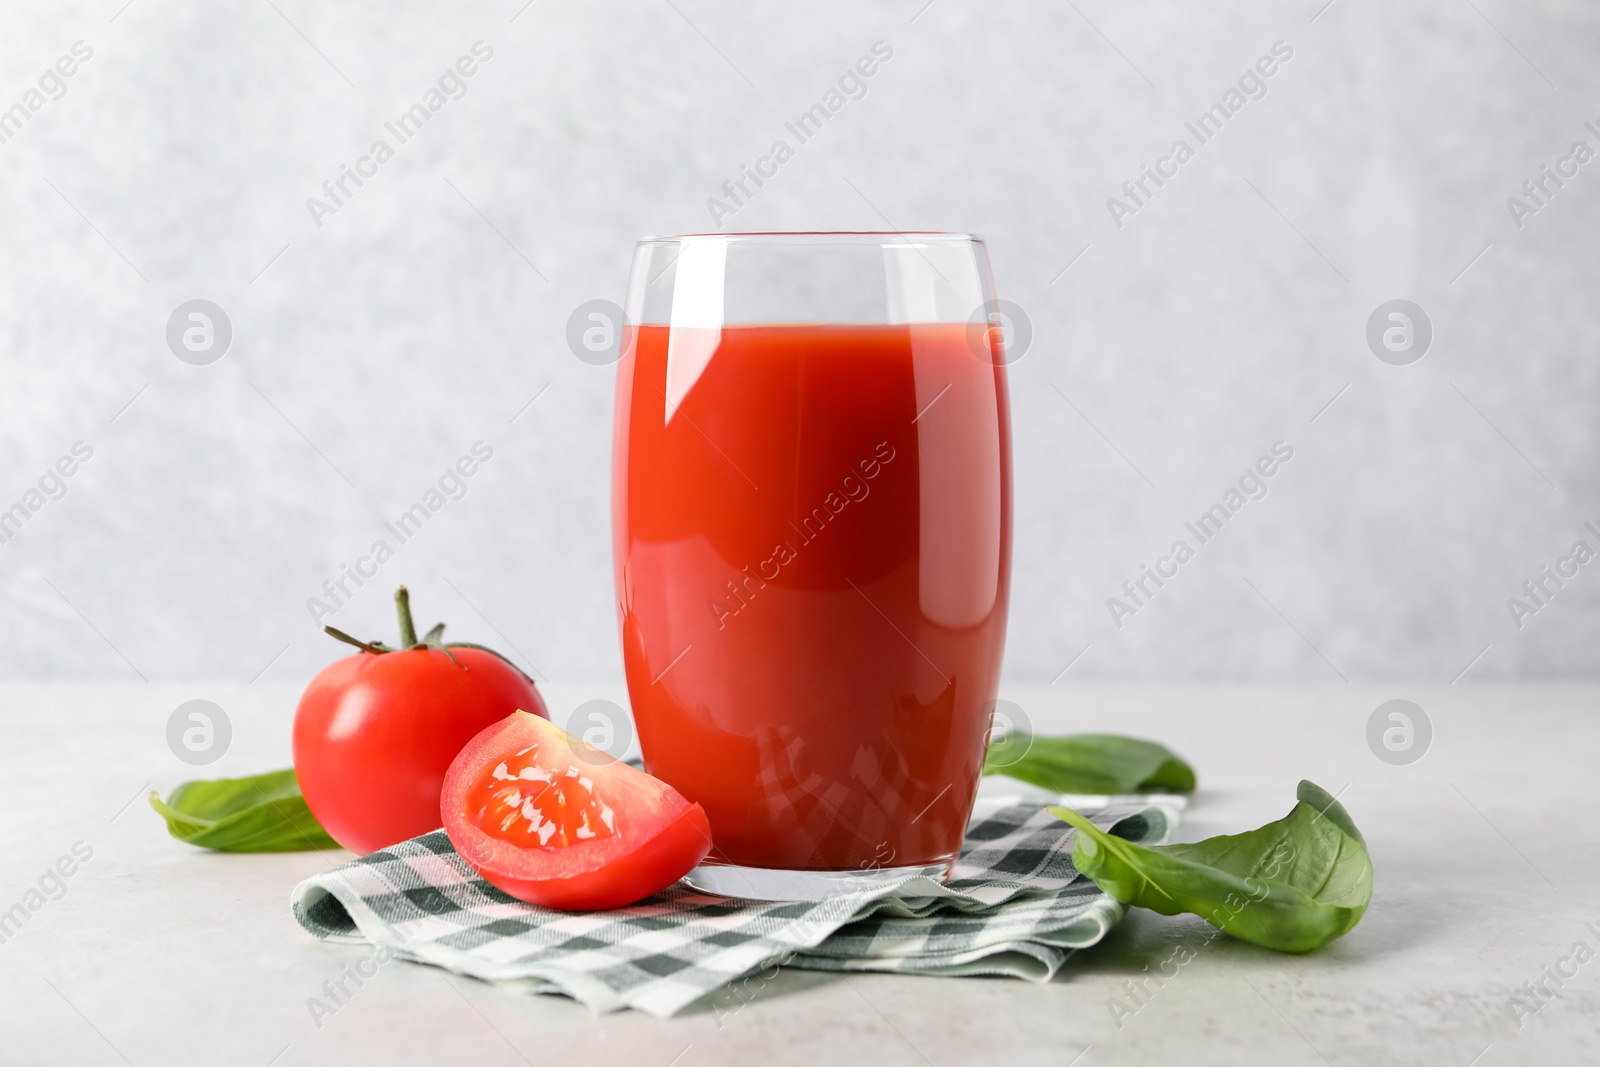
[427,312]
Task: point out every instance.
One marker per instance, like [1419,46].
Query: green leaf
[1293,885]
[262,813]
[1089,763]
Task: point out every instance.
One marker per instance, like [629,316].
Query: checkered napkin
[1013,906]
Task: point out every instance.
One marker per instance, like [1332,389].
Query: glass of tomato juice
[811,508]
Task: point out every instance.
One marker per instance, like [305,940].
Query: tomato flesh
[524,803]
[551,820]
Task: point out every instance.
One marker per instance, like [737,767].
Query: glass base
[765,883]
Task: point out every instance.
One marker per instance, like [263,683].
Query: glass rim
[828,236]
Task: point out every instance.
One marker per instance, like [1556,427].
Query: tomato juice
[812,543]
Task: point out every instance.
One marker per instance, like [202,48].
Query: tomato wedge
[552,820]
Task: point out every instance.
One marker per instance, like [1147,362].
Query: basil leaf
[1089,763]
[263,813]
[1292,885]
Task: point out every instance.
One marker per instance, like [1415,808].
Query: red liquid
[813,580]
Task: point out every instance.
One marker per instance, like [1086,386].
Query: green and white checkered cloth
[1014,905]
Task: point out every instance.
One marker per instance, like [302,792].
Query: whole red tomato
[375,732]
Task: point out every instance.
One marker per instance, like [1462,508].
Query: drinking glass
[811,512]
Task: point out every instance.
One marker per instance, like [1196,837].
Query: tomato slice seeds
[533,807]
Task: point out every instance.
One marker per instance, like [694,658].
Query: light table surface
[1486,852]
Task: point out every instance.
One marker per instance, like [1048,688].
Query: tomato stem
[408,629]
[375,647]
[408,638]
[497,655]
